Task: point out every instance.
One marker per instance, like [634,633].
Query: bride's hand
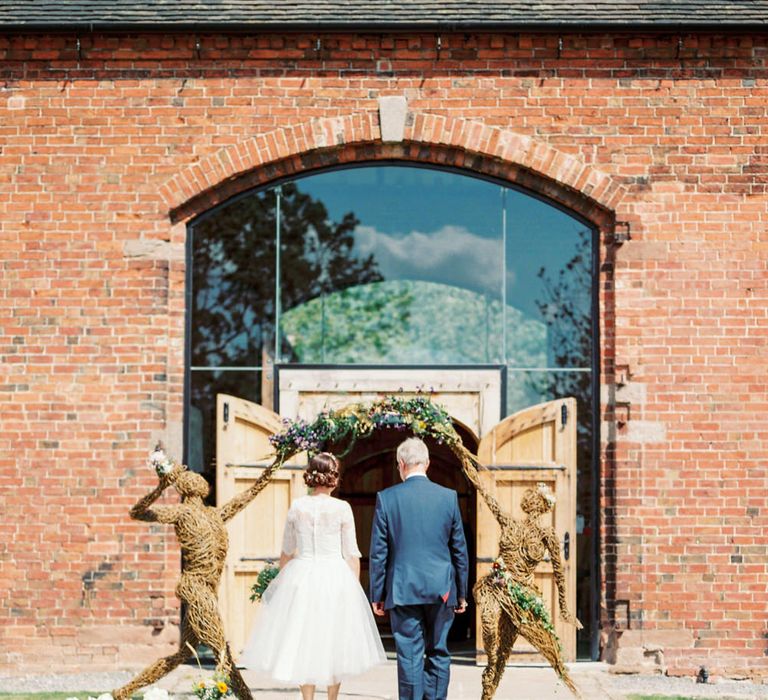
[354,565]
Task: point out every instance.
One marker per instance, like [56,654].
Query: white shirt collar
[410,476]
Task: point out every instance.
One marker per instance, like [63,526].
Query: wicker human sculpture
[202,535]
[507,599]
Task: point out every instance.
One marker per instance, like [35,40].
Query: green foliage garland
[418,414]
[525,599]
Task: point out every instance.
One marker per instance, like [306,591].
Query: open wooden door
[537,444]
[243,450]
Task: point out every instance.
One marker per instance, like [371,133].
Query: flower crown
[160,461]
[546,492]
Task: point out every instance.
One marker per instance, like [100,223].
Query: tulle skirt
[315,626]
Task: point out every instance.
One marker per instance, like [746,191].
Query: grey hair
[412,452]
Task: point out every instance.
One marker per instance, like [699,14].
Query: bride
[315,625]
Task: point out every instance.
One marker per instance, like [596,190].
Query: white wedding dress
[315,625]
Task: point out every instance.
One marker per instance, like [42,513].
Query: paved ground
[381,684]
[520,683]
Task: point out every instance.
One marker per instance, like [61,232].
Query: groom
[418,572]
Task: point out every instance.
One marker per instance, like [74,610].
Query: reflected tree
[233,296]
[233,287]
[566,308]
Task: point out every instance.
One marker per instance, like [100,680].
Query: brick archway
[428,138]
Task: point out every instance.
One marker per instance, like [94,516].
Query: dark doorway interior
[371,466]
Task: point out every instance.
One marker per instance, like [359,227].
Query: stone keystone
[392,113]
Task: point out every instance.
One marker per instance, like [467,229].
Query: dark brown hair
[323,470]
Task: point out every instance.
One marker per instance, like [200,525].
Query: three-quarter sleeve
[348,537]
[289,533]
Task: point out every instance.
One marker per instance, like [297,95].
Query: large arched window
[388,265]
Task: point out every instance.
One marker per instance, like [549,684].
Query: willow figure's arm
[232,507]
[493,505]
[470,466]
[553,545]
[159,514]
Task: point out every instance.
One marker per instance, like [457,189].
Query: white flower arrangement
[160,461]
[545,491]
[151,694]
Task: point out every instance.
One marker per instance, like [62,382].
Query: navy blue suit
[419,569]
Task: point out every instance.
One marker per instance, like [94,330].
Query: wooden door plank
[243,450]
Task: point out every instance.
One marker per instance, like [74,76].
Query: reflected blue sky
[424,274]
[434,226]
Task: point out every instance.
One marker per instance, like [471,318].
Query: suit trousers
[423,661]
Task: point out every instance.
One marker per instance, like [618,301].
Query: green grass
[668,697]
[80,694]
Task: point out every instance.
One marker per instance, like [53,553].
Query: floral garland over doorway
[417,414]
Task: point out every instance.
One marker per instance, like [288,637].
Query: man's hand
[378,609]
[461,607]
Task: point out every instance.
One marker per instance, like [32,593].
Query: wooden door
[537,444]
[255,535]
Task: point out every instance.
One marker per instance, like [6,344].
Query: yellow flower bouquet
[214,688]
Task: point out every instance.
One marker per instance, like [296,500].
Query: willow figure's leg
[490,615]
[548,645]
[161,667]
[239,686]
[307,692]
[506,640]
[203,616]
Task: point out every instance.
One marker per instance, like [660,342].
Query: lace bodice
[320,527]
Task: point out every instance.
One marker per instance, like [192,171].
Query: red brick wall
[106,154]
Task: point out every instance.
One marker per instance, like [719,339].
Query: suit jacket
[418,551]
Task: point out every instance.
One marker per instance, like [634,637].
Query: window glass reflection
[434,239]
[233,283]
[204,385]
[392,264]
[388,264]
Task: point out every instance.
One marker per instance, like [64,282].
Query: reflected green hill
[411,322]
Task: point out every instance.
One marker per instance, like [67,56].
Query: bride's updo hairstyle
[323,470]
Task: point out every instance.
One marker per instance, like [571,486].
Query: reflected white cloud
[451,254]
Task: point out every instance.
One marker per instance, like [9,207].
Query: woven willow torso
[521,547]
[203,539]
